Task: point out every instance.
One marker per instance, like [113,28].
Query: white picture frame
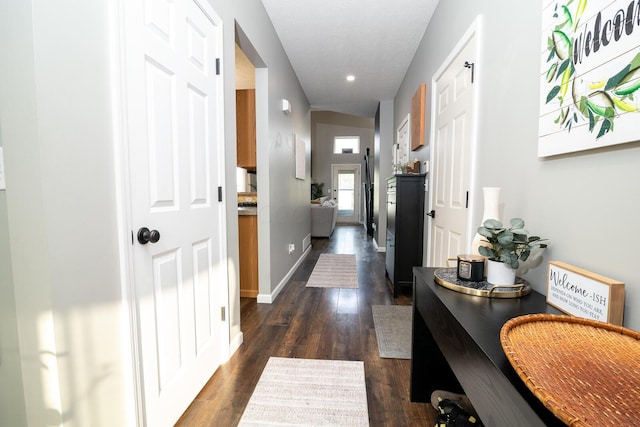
[590,69]
[403,142]
[300,158]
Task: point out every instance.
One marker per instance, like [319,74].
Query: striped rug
[307,392]
[334,271]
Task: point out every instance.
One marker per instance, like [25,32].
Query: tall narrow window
[346,145]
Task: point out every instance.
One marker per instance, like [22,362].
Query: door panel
[199,148]
[174,116]
[167,279]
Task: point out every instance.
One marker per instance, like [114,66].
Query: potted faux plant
[316,190]
[507,247]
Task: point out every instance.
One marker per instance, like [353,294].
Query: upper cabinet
[246,128]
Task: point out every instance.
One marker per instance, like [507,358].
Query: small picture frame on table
[581,293]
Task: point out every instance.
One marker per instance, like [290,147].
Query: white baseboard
[270,298]
[379,248]
[235,343]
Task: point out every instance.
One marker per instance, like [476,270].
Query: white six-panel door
[174,118]
[451,158]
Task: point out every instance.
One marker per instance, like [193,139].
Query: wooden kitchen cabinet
[248,242]
[246,128]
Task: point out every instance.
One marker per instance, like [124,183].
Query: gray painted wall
[586,203]
[11,389]
[61,255]
[384,169]
[283,200]
[325,126]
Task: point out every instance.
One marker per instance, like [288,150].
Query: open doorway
[252,77]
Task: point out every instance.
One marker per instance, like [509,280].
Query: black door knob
[145,236]
[432,213]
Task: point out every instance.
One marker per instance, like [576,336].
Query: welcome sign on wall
[590,76]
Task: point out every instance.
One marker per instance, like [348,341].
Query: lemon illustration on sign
[601,104]
[552,72]
[629,83]
[561,44]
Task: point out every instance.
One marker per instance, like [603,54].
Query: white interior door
[345,183]
[174,129]
[451,157]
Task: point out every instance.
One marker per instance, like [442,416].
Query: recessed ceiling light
[351,78]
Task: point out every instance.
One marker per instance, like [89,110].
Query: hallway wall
[63,253]
[586,203]
[325,126]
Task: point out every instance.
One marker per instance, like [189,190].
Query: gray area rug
[334,271]
[393,330]
[308,392]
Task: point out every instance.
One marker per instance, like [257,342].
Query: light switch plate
[3,185]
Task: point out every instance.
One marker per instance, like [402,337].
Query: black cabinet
[405,228]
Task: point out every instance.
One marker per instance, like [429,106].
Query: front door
[346,191]
[173,106]
[451,157]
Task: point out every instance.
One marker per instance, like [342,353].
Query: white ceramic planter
[499,273]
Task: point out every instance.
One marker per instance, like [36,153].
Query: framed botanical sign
[590,75]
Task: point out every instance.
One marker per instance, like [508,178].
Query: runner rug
[307,392]
[393,330]
[334,271]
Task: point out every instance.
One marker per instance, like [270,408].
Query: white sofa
[324,215]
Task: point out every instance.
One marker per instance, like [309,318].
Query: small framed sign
[582,293]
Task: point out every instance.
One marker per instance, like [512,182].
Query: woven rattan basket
[584,371]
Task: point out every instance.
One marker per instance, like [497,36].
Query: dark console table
[456,347]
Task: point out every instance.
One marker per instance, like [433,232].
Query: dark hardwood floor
[317,323]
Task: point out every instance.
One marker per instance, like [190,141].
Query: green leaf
[583,106]
[613,81]
[505,237]
[562,67]
[592,121]
[568,20]
[484,232]
[485,251]
[493,224]
[635,62]
[606,127]
[552,94]
[579,11]
[516,223]
[552,72]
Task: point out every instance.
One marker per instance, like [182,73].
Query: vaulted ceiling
[372,40]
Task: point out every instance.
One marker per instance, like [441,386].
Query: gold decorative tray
[448,277]
[584,371]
